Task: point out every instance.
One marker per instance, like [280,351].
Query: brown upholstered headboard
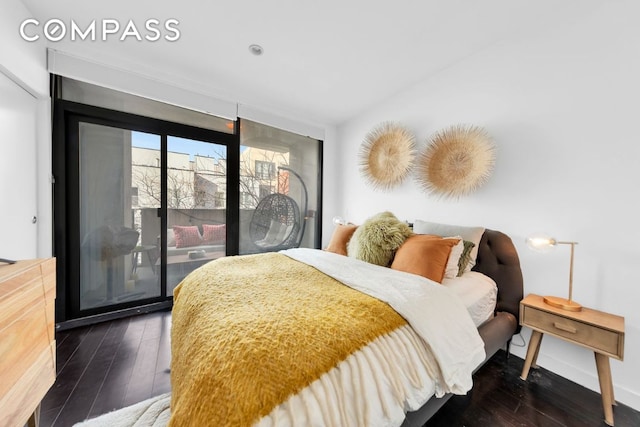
[498,259]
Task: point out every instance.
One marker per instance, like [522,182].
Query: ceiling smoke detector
[256,49]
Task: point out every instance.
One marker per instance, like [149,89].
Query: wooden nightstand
[603,333]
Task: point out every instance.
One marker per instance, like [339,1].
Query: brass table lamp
[543,243]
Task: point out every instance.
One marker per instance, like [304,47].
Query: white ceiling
[324,60]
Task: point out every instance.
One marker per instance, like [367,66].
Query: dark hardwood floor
[115,364]
[500,398]
[108,366]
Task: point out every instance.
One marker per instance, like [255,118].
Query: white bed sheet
[478,292]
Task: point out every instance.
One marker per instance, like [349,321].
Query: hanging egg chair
[277,222]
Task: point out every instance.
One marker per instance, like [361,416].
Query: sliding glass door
[196,206]
[145,203]
[117,252]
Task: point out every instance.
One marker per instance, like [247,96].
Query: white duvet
[398,372]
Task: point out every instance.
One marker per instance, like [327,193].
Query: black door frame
[66,118]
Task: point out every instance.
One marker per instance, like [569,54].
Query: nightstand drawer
[585,334]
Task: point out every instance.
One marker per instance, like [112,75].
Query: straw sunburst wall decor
[457,161]
[386,155]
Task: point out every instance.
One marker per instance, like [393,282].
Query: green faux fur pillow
[377,239]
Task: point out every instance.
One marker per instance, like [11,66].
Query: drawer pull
[565,328]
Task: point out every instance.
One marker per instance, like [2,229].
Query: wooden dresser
[27,339]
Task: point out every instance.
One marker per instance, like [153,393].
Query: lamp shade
[338,220]
[541,242]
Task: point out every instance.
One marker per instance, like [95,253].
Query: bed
[217,371]
[498,259]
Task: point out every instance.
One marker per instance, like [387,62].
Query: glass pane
[119,197]
[196,209]
[278,189]
[85,93]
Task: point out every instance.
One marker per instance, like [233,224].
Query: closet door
[18,231]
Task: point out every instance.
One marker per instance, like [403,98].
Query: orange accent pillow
[341,236]
[425,255]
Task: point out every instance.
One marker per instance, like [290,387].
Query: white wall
[23,60]
[25,64]
[562,106]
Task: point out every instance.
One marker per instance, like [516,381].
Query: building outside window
[265,170]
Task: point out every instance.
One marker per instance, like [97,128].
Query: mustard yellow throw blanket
[249,331]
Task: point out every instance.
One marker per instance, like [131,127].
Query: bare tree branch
[193,188]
